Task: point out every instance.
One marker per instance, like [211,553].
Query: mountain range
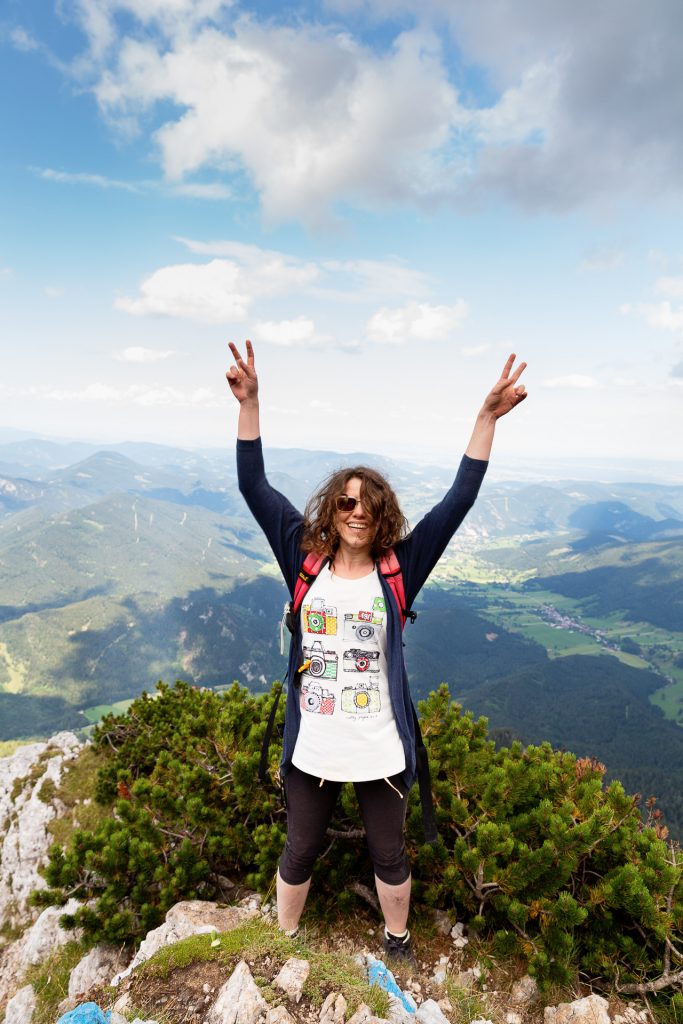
[557,611]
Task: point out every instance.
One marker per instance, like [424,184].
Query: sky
[387,197]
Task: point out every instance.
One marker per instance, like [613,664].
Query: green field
[506,602]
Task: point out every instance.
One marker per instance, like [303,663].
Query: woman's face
[356,529]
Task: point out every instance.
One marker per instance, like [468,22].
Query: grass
[50,981]
[9,747]
[256,939]
[78,782]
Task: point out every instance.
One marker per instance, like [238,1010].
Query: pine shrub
[534,850]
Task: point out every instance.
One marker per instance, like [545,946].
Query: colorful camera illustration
[316,699]
[360,700]
[364,627]
[319,618]
[323,663]
[356,660]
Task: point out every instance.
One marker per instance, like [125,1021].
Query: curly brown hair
[379,501]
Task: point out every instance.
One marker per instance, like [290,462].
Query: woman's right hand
[242,376]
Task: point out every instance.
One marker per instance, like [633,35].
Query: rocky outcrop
[36,945]
[27,780]
[191,917]
[239,1001]
[21,1006]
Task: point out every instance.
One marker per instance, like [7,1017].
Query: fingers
[249,365]
[518,372]
[508,367]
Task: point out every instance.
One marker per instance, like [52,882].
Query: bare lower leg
[291,900]
[395,903]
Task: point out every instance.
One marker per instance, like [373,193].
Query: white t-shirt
[347,732]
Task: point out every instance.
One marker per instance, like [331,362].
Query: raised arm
[278,518]
[504,396]
[244,385]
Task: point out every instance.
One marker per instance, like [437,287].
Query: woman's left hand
[506,393]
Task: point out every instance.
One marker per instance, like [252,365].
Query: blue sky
[386,202]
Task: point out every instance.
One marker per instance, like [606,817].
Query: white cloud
[658,314]
[670,286]
[300,331]
[136,354]
[310,114]
[82,178]
[572,382]
[580,100]
[53,291]
[23,41]
[224,289]
[197,190]
[415,322]
[211,293]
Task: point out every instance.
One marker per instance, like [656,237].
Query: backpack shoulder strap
[391,570]
[313,563]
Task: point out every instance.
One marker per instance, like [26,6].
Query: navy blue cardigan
[417,556]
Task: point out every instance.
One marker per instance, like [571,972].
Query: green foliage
[560,868]
[534,849]
[181,780]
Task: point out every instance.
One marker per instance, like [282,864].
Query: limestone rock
[524,991]
[333,1009]
[19,1009]
[631,1015]
[589,1010]
[41,940]
[96,968]
[513,1018]
[26,841]
[46,935]
[441,970]
[364,1015]
[239,1000]
[189,917]
[279,1015]
[398,1013]
[442,922]
[292,977]
[431,1013]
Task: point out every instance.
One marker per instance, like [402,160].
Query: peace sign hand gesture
[242,376]
[505,394]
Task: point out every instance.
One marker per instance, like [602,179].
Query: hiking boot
[399,949]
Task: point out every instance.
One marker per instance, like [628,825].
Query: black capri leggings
[310,807]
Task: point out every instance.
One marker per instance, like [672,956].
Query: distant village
[558,620]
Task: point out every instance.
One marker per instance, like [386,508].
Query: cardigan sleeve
[278,518]
[421,550]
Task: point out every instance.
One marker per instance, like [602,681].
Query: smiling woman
[349,715]
[370,518]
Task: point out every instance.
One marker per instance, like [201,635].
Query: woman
[349,713]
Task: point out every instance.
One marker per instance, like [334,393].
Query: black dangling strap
[263,763]
[424,780]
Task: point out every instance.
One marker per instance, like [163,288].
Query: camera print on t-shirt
[360,660]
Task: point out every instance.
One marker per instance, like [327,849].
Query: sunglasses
[345,503]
